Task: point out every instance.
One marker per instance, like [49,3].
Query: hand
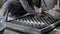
[39,15]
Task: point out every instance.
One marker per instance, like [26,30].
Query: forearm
[27,7]
[5,6]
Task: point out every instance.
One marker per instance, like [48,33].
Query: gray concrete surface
[10,32]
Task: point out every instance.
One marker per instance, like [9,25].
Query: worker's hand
[39,15]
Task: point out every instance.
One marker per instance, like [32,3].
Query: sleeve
[5,6]
[26,6]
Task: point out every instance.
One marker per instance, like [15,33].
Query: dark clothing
[17,9]
[23,5]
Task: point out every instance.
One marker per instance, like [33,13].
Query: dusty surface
[10,32]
